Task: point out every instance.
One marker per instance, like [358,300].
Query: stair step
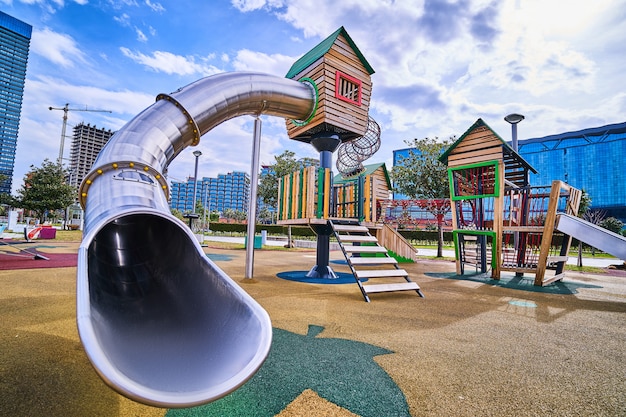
[381,273]
[365,249]
[349,228]
[357,238]
[372,261]
[402,286]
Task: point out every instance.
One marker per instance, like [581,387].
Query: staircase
[355,241]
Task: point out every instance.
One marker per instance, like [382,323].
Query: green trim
[359,198]
[496,191]
[320,193]
[290,200]
[315,104]
[475,233]
[321,49]
[368,170]
[281,196]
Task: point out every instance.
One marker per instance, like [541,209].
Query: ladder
[355,241]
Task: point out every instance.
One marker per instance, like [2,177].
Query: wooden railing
[310,194]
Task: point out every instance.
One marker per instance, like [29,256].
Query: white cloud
[157,7]
[58,48]
[141,37]
[123,20]
[276,64]
[170,63]
[252,5]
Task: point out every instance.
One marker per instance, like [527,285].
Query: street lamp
[514,119]
[193,214]
[195,180]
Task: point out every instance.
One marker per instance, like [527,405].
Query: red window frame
[339,76]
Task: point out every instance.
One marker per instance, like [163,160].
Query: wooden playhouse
[500,222]
[341,75]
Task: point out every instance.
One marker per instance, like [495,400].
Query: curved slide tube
[160,322]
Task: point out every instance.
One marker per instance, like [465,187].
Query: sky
[439,66]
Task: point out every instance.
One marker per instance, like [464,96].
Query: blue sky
[440,65]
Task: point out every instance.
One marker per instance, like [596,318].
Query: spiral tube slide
[350,155]
[160,322]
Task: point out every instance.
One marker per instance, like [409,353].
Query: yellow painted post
[326,193]
[311,192]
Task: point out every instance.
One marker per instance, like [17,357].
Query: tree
[285,163]
[45,190]
[422,176]
[612,224]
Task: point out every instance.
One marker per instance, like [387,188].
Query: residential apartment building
[14,45]
[86,145]
[227,191]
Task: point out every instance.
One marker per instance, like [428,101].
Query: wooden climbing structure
[500,222]
[350,208]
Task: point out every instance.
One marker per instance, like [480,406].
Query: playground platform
[473,346]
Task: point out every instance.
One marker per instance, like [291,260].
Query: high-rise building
[14,45]
[227,191]
[86,145]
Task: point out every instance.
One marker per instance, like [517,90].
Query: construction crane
[66,109]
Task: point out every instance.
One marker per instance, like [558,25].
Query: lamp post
[195,180]
[193,214]
[514,119]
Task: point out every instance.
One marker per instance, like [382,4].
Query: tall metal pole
[195,181]
[254,180]
[514,119]
[65,109]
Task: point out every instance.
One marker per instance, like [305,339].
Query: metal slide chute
[593,235]
[160,322]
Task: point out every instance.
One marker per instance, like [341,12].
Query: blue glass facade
[14,45]
[227,191]
[592,159]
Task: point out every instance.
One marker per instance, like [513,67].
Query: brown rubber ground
[470,348]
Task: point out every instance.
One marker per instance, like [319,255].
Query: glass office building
[591,159]
[14,44]
[227,191]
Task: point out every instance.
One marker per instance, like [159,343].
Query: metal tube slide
[160,322]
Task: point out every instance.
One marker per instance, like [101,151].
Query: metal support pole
[325,144]
[254,181]
[195,181]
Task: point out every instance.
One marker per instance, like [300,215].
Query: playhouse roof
[321,49]
[369,170]
[511,158]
